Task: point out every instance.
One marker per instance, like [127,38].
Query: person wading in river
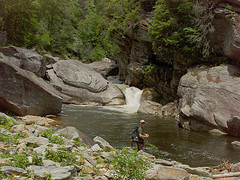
[141,135]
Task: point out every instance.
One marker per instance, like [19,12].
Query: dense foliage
[83,28]
[71,27]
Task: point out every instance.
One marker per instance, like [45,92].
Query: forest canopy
[82,28]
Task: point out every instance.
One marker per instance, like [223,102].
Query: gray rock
[201,171]
[226,35]
[73,133]
[234,126]
[209,99]
[18,128]
[105,155]
[237,143]
[166,173]
[106,67]
[150,107]
[26,59]
[41,149]
[96,148]
[47,162]
[13,170]
[89,159]
[57,173]
[50,59]
[22,92]
[36,140]
[165,162]
[82,84]
[82,178]
[104,144]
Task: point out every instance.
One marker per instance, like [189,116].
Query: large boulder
[26,59]
[83,84]
[209,99]
[106,67]
[22,92]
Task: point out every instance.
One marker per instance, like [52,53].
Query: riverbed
[173,143]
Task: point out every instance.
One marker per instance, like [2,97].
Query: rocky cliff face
[136,53]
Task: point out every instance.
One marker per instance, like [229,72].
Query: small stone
[96,148]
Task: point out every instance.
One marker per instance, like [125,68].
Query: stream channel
[115,125]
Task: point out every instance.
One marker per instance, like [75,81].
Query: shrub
[129,165]
[61,156]
[49,134]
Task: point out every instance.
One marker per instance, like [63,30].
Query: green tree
[20,21]
[172,31]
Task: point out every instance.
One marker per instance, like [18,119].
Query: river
[174,143]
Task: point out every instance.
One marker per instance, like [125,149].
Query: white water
[133,96]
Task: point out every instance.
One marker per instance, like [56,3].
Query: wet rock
[170,109]
[237,143]
[234,126]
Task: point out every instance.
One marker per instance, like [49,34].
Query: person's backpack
[135,135]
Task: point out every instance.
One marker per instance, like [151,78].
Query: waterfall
[132,97]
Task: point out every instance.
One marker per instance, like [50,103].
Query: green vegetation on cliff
[83,28]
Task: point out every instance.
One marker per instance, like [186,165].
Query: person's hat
[142,121]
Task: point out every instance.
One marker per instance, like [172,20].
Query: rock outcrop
[136,54]
[106,67]
[26,59]
[226,38]
[82,84]
[22,92]
[209,99]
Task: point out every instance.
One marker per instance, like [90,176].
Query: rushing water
[174,143]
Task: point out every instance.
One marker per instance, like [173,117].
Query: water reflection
[193,148]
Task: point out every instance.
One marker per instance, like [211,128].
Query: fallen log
[234,174]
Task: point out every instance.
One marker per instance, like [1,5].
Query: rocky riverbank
[33,149]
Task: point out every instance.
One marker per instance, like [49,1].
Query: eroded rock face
[23,93]
[26,59]
[226,23]
[136,54]
[209,99]
[82,84]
